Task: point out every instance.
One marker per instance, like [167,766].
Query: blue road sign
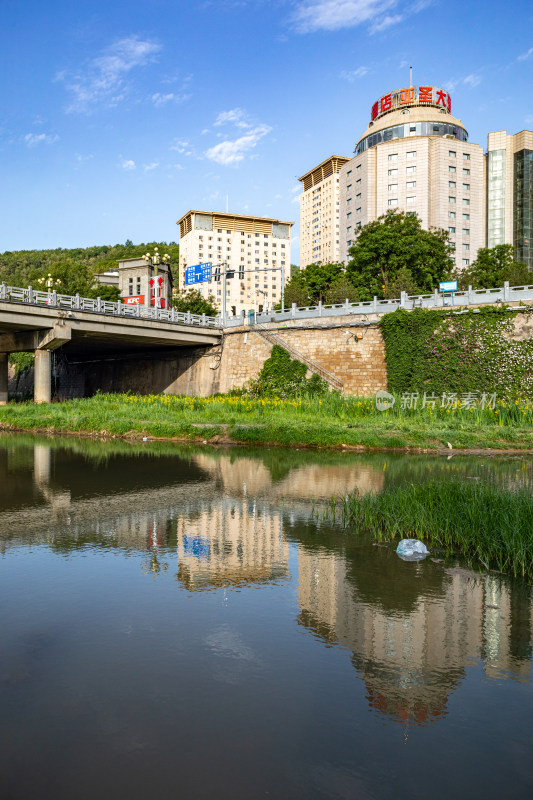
[197,273]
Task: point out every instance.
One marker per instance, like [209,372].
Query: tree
[397,241]
[194,302]
[311,285]
[492,267]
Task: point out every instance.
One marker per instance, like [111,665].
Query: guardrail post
[3,291]
[347,304]
[293,310]
[470,296]
[138,310]
[30,294]
[203,319]
[54,298]
[403,299]
[99,304]
[436,298]
[320,308]
[188,317]
[375,306]
[506,292]
[77,304]
[119,307]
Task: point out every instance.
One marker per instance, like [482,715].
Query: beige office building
[510,192]
[319,213]
[416,157]
[254,251]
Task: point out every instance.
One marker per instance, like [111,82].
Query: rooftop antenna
[410,77]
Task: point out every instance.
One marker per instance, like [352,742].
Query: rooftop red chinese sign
[412,96]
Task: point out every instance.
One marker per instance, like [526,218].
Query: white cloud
[526,56]
[103,81]
[183,147]
[129,164]
[471,81]
[332,15]
[235,116]
[387,22]
[150,167]
[162,99]
[353,74]
[231,152]
[33,139]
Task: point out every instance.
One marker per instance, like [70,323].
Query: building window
[411,154]
[349,214]
[393,171]
[411,184]
[349,228]
[349,200]
[451,199]
[466,201]
[358,168]
[452,153]
[393,156]
[451,184]
[451,214]
[466,156]
[466,231]
[410,200]
[466,247]
[358,196]
[219,230]
[466,262]
[466,216]
[451,230]
[393,202]
[410,170]
[358,210]
[358,182]
[349,173]
[466,187]
[451,169]
[348,187]
[466,171]
[393,187]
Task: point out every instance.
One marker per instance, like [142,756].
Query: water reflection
[228,520]
[414,629]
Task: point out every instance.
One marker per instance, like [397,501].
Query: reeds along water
[487,524]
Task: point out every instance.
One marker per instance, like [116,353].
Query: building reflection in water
[414,629]
[231,543]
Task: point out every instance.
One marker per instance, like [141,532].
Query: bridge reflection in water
[229,521]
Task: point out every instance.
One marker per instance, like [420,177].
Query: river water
[184,622]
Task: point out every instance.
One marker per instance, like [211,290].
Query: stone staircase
[318,369]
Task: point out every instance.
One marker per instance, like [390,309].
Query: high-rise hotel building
[415,156]
[254,251]
[320,213]
[510,192]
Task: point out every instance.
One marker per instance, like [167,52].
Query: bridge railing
[31,296]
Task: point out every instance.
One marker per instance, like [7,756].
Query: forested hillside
[24,267]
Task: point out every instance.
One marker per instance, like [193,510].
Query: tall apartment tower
[254,251]
[319,213]
[415,156]
[510,192]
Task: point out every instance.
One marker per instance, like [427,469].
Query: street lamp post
[49,282]
[155,260]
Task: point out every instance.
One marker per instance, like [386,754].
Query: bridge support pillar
[3,378]
[42,392]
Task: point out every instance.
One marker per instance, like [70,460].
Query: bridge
[42,322]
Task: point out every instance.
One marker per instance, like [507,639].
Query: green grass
[486,524]
[331,421]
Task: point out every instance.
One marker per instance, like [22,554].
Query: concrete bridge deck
[43,322]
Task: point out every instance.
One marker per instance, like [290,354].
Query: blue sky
[119,116]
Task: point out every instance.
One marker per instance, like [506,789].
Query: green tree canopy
[492,267]
[396,244]
[319,282]
[194,302]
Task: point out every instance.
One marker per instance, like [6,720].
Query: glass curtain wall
[523,206]
[496,198]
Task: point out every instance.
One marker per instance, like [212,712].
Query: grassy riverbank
[487,524]
[330,421]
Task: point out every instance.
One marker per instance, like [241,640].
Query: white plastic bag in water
[412,550]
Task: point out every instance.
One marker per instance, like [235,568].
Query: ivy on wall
[284,377]
[437,351]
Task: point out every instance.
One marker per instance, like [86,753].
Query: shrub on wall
[283,376]
[436,351]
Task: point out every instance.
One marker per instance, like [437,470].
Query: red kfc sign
[137,300]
